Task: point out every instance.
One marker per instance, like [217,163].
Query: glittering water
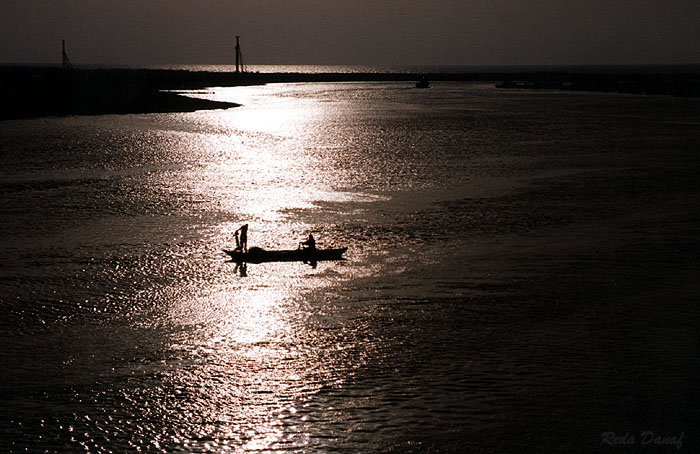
[521,273]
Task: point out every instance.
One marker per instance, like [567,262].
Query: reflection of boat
[259,255]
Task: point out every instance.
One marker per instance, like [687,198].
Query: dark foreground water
[522,274]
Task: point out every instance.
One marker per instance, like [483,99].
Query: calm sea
[426,69]
[522,274]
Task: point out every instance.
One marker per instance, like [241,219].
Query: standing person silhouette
[242,241]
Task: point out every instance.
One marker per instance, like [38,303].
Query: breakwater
[28,91]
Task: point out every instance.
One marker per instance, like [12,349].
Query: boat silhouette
[423,83]
[259,255]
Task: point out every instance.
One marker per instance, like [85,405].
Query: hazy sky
[379,32]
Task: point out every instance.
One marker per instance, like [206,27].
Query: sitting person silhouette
[310,243]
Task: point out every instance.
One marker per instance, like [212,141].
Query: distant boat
[259,255]
[515,84]
[423,83]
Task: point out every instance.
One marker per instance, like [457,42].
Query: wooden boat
[259,255]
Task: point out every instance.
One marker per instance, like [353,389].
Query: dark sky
[374,32]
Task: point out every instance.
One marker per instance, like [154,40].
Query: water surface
[521,273]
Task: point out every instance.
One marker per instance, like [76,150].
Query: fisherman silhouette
[310,243]
[242,241]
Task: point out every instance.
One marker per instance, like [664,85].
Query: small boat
[423,83]
[259,255]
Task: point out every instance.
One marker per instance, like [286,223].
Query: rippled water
[521,273]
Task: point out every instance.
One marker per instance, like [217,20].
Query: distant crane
[66,61]
[239,57]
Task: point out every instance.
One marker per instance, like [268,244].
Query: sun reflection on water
[249,350]
[273,155]
[245,355]
[245,363]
